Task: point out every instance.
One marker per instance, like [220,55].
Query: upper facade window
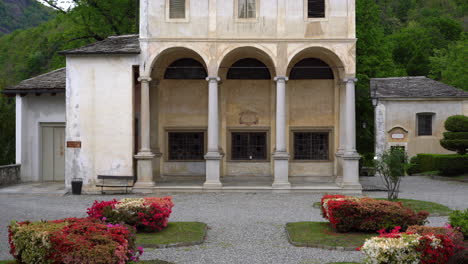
[424,124]
[315,8]
[246,10]
[177,10]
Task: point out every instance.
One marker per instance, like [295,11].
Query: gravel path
[244,227]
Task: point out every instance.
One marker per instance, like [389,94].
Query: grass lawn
[176,234]
[7,262]
[417,205]
[316,234]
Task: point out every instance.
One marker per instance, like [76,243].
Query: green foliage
[459,218]
[457,138]
[422,163]
[22,14]
[457,123]
[392,166]
[451,165]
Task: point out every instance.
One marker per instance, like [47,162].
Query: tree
[449,65]
[457,137]
[392,166]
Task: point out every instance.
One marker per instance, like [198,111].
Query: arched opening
[248,69]
[179,113]
[185,68]
[311,69]
[248,92]
[313,95]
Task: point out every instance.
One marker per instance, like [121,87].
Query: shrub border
[179,244]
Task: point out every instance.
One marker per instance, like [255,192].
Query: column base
[281,172]
[145,181]
[213,170]
[351,172]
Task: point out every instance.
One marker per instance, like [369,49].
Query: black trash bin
[77,184]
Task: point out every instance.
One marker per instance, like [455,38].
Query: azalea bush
[459,219]
[407,248]
[72,240]
[147,214]
[347,213]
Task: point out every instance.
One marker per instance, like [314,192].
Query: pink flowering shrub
[147,214]
[72,240]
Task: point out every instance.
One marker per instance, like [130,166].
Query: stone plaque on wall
[248,118]
[398,134]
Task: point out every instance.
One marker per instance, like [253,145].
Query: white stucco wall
[402,113]
[99,114]
[34,111]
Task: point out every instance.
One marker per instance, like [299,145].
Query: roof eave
[11,92]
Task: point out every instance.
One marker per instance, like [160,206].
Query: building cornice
[249,40]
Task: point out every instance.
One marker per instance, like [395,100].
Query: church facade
[218,95]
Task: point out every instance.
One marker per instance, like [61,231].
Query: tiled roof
[413,87]
[51,82]
[127,44]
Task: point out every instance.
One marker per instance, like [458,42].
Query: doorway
[53,152]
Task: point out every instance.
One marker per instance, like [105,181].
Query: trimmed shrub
[72,240]
[450,165]
[366,214]
[452,233]
[457,123]
[457,137]
[422,163]
[396,247]
[460,219]
[147,214]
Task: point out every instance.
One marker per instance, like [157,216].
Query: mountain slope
[21,14]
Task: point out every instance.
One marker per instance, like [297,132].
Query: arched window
[311,68]
[186,69]
[249,69]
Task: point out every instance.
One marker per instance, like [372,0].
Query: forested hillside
[21,14]
[396,38]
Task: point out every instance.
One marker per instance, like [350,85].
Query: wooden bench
[115,182]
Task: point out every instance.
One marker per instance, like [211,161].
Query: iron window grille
[249,69]
[315,8]
[311,68]
[185,69]
[311,146]
[425,124]
[247,9]
[186,146]
[249,146]
[176,9]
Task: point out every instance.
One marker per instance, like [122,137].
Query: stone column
[350,156]
[145,156]
[213,157]
[281,156]
[342,134]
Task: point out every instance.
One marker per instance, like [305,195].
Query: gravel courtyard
[244,227]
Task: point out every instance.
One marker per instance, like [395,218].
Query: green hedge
[448,165]
[456,135]
[457,123]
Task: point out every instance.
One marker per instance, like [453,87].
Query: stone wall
[9,174]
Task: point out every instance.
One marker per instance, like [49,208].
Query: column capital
[213,79]
[144,79]
[281,79]
[350,79]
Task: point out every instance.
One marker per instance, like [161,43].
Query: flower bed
[147,214]
[347,213]
[396,247]
[72,240]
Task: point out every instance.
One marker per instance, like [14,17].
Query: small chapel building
[211,95]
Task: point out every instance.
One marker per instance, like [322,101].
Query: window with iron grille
[186,69]
[176,9]
[400,148]
[247,8]
[311,146]
[248,69]
[186,146]
[315,8]
[249,146]
[425,124]
[310,69]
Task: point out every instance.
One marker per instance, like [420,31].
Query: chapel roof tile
[125,44]
[413,87]
[51,82]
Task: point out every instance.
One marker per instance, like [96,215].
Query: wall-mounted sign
[73,144]
[398,136]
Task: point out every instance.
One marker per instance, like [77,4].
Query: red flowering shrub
[147,214]
[454,235]
[367,214]
[435,254]
[73,240]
